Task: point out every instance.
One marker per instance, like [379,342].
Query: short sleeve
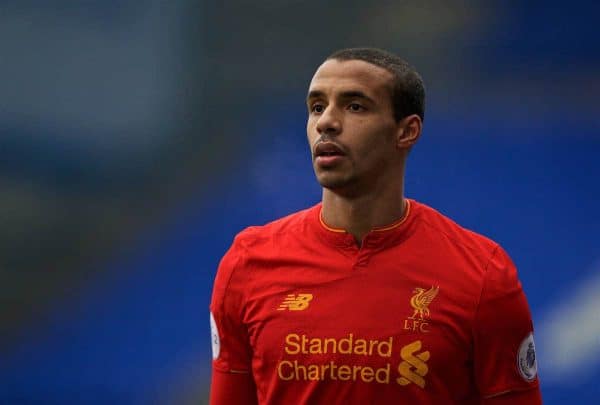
[229,336]
[504,351]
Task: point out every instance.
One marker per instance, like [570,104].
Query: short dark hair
[408,90]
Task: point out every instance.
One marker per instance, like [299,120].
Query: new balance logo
[295,302]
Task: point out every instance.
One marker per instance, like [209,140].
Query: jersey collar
[380,236]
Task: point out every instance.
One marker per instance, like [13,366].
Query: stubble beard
[339,183]
[334,184]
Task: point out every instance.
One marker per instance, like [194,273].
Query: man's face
[351,127]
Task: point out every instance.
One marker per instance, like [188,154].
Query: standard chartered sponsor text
[296,344]
[291,370]
[323,368]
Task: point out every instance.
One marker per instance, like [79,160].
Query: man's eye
[317,108]
[355,107]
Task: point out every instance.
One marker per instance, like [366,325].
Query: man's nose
[329,122]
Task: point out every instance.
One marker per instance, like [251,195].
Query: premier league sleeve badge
[526,361]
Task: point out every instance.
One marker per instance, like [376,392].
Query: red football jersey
[424,311]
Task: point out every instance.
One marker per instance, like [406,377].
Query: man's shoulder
[435,222]
[289,225]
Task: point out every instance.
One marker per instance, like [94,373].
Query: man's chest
[382,319]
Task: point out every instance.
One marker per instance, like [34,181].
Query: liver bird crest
[421,300]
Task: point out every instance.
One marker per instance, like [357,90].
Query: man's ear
[409,131]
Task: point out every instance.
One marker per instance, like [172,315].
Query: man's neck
[359,215]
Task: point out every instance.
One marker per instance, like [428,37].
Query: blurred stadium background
[137,137]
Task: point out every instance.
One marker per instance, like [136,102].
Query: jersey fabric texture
[424,311]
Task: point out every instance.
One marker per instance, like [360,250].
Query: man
[368,297]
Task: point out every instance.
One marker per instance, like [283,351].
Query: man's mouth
[324,149]
[328,154]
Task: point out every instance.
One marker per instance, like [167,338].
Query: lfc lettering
[416,325]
